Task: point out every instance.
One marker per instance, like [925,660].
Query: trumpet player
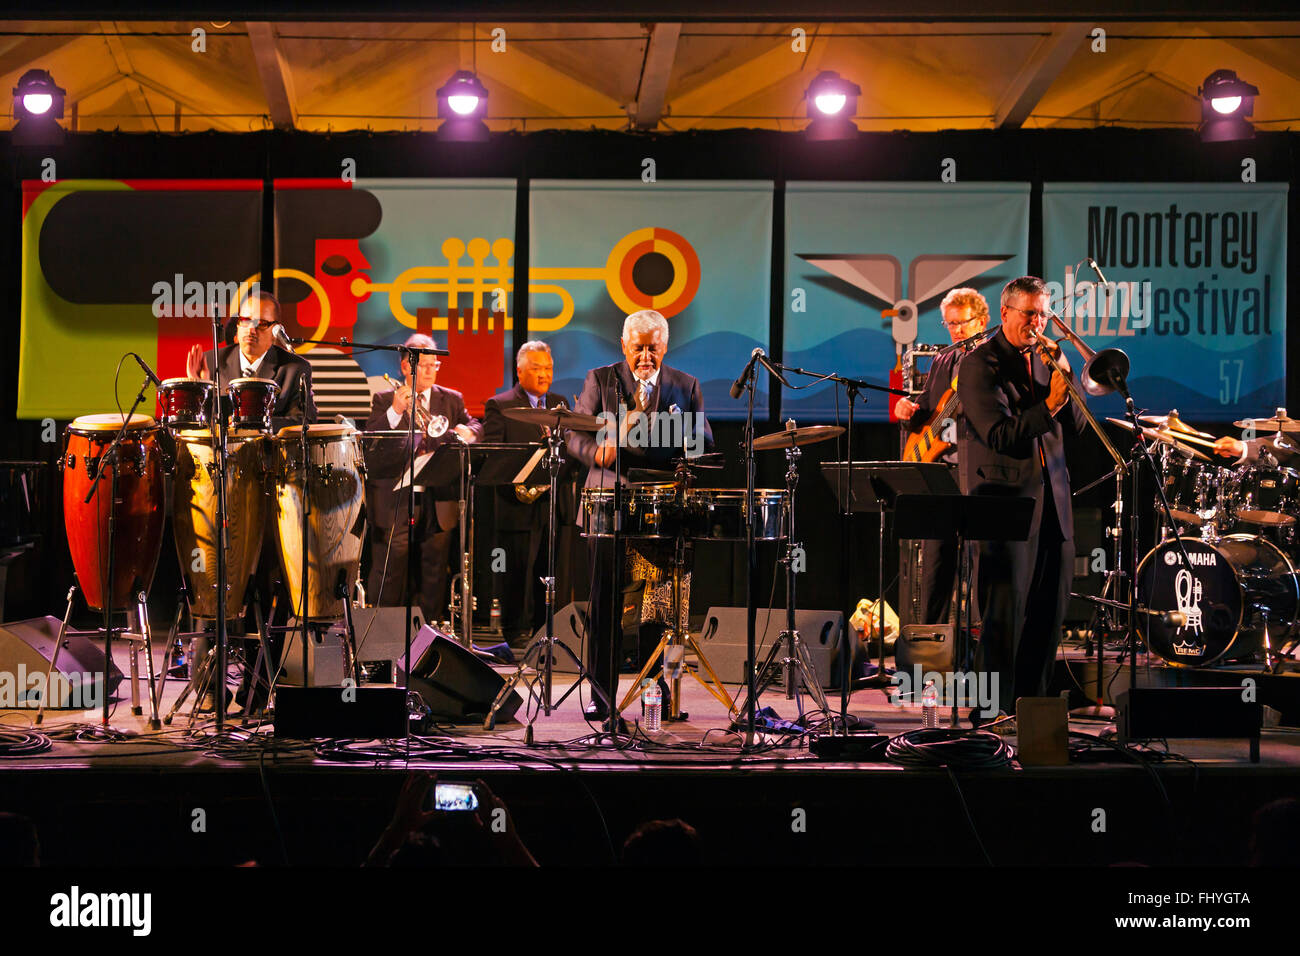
[1017,412]
[440,417]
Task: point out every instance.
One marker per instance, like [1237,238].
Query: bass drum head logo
[1171,558]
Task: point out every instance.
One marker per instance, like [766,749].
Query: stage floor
[575,794]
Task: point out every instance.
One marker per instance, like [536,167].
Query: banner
[867,265]
[111,266]
[698,252]
[1198,294]
[377,260]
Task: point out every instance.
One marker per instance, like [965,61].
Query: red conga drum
[137,535]
[185,403]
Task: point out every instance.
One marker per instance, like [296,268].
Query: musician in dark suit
[440,417]
[522,526]
[1015,415]
[639,397]
[930,566]
[254,356]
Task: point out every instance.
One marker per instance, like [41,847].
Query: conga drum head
[314,432]
[97,424]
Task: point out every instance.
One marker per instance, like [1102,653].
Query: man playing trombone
[1016,414]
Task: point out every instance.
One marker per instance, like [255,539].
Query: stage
[181,796]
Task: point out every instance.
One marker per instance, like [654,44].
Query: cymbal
[555,417]
[1286,424]
[807,435]
[1164,436]
[1173,422]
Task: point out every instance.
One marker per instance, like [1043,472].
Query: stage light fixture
[462,104]
[38,97]
[1226,101]
[831,102]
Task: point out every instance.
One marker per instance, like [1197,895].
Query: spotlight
[38,97]
[1225,103]
[462,104]
[831,102]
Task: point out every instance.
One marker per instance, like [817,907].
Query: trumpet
[1050,353]
[422,414]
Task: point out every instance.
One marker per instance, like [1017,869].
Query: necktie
[643,396]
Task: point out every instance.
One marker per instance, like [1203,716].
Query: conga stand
[110,460]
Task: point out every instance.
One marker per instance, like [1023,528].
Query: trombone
[1107,367]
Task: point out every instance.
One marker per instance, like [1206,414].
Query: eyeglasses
[962,324]
[1033,313]
[262,326]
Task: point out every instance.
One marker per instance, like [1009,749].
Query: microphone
[1092,263]
[280,337]
[738,385]
[147,371]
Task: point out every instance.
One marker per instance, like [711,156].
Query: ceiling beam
[273,68]
[755,75]
[655,73]
[1050,57]
[553,89]
[122,61]
[1129,70]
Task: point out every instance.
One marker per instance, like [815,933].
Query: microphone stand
[853,387]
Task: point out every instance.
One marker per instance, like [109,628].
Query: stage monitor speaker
[723,640]
[571,624]
[310,712]
[570,628]
[1150,713]
[928,646]
[26,648]
[454,683]
[381,636]
[327,656]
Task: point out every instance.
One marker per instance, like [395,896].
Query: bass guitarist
[931,566]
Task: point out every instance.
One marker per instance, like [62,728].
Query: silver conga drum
[194,515]
[335,529]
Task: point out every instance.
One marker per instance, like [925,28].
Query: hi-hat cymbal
[1285,424]
[1173,422]
[1165,436]
[555,418]
[807,435]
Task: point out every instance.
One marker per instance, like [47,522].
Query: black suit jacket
[1005,421]
[391,455]
[511,513]
[284,368]
[600,393]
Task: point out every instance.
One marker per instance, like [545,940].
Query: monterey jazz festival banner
[1198,290]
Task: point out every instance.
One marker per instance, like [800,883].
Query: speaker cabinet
[25,650]
[454,683]
[723,640]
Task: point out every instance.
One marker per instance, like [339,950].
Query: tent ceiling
[145,76]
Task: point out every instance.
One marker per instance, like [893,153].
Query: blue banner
[867,265]
[1197,294]
[698,252]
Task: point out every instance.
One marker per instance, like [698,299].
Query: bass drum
[1228,593]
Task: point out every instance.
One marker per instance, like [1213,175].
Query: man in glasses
[930,567]
[255,356]
[1015,415]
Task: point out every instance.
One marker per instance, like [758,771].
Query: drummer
[1284,449]
[440,417]
[630,392]
[257,357]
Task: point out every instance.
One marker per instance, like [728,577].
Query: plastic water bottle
[652,704]
[494,618]
[929,706]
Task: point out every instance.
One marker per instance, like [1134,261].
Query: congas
[1233,590]
[252,400]
[185,403]
[1269,497]
[650,511]
[138,517]
[194,515]
[718,514]
[335,526]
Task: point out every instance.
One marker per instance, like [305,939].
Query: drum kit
[264,489]
[1226,569]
